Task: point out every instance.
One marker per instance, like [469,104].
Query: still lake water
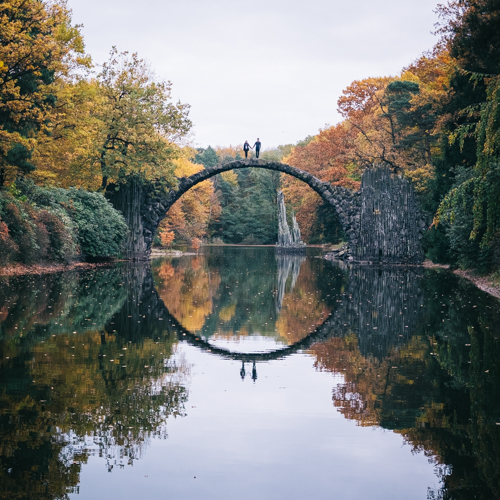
[239,374]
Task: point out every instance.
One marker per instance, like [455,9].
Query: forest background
[71,132]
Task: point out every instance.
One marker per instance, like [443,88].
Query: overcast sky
[272,69]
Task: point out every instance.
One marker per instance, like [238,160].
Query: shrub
[42,239]
[62,242]
[251,240]
[91,221]
[101,228]
[8,249]
[21,231]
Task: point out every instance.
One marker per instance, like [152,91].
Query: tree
[67,157]
[206,157]
[139,123]
[189,217]
[470,29]
[469,212]
[137,141]
[326,156]
[38,44]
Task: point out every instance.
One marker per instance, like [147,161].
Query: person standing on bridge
[246,148]
[257,147]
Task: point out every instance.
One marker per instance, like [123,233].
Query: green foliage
[473,34]
[471,209]
[464,193]
[27,238]
[456,213]
[57,225]
[437,245]
[139,123]
[206,157]
[327,228]
[249,213]
[99,228]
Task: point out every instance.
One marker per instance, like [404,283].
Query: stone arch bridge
[382,220]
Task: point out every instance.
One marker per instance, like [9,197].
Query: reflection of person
[246,148]
[257,147]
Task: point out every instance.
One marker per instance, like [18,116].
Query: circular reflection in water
[247,299]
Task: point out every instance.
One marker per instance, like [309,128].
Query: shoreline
[40,269]
[484,283]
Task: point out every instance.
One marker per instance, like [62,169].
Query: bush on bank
[57,225]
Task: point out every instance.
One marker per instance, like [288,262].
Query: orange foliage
[196,243]
[368,380]
[188,218]
[326,157]
[188,291]
[302,312]
[166,237]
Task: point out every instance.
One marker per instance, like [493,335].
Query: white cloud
[268,68]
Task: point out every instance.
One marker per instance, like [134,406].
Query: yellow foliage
[420,177]
[188,292]
[231,177]
[188,218]
[227,313]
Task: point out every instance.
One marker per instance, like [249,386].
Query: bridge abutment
[391,224]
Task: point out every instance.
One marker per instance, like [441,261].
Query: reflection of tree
[385,392]
[39,306]
[440,389]
[66,395]
[239,295]
[188,288]
[304,307]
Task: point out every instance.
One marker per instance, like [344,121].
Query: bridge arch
[329,328]
[382,221]
[331,194]
[340,198]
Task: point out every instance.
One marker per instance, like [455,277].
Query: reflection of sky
[277,438]
[255,343]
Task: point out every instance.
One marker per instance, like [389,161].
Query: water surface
[239,374]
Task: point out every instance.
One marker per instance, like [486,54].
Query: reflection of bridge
[320,333]
[379,306]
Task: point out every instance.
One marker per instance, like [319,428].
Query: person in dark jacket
[246,148]
[257,147]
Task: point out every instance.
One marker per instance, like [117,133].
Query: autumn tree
[326,157]
[67,157]
[38,45]
[188,218]
[140,124]
[139,135]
